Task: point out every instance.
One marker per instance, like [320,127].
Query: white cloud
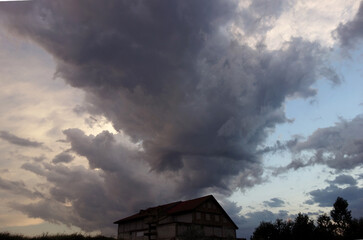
[312,20]
[309,19]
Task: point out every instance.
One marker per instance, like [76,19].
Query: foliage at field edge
[338,226]
[8,236]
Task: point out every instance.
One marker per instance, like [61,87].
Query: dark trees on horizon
[338,226]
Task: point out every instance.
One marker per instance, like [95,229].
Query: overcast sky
[112,106]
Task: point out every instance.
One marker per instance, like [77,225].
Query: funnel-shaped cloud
[169,75]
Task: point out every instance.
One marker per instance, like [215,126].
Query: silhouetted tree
[265,231]
[324,228]
[355,231]
[341,216]
[283,229]
[339,226]
[303,227]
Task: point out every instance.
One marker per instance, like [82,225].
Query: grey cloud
[102,150]
[39,158]
[83,198]
[352,31]
[344,179]
[169,75]
[11,138]
[260,15]
[48,210]
[274,202]
[339,147]
[95,198]
[216,123]
[309,202]
[18,188]
[295,164]
[34,168]
[327,196]
[278,146]
[267,216]
[63,157]
[253,219]
[233,210]
[249,221]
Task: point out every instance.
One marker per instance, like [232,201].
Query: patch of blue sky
[332,103]
[292,187]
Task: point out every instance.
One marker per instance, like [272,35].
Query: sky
[108,107]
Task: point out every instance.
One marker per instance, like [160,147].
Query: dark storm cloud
[168,75]
[352,31]
[18,188]
[274,202]
[87,199]
[339,147]
[119,185]
[327,196]
[63,157]
[102,150]
[11,138]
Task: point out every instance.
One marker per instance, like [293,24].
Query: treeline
[76,236]
[338,226]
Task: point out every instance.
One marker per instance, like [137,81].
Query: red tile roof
[189,205]
[162,209]
[172,208]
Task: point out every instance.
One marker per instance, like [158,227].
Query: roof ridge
[175,207]
[188,205]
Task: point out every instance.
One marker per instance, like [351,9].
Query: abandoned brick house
[170,221]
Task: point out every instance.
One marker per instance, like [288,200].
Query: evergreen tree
[283,229]
[341,216]
[356,229]
[339,226]
[324,228]
[265,231]
[303,227]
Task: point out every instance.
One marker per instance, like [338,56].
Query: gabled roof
[185,206]
[174,208]
[162,209]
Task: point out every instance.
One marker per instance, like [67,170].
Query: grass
[45,236]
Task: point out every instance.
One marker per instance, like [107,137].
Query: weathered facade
[174,220]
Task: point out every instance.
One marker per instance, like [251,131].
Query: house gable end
[168,221]
[212,207]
